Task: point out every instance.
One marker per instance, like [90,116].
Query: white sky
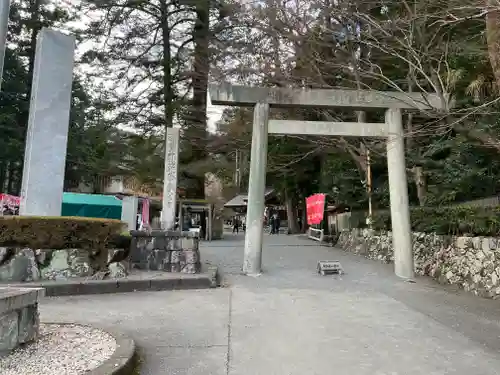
[214,113]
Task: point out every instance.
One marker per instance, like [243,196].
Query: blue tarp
[91,205]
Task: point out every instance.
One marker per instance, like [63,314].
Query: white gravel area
[67,349]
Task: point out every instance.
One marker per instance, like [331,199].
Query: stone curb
[124,359]
[86,287]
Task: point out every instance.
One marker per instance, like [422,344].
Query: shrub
[57,232]
[474,221]
[121,241]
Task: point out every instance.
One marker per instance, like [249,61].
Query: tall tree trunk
[421,184]
[167,73]
[18,172]
[291,213]
[197,130]
[304,216]
[3,173]
[35,25]
[11,179]
[417,170]
[493,36]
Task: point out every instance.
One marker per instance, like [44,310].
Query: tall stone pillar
[4,23]
[398,187]
[256,190]
[47,137]
[170,178]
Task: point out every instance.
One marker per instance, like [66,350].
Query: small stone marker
[329,267]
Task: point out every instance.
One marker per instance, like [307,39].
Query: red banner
[9,203]
[145,213]
[10,200]
[315,205]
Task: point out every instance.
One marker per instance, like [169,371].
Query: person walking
[277,223]
[271,223]
[244,223]
[236,225]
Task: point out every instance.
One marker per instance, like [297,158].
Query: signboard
[328,267]
[315,207]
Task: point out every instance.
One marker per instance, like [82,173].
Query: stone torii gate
[263,98]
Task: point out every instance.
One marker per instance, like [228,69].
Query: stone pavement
[292,321]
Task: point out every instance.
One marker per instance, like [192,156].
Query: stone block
[476,242]
[191,268]
[175,256]
[22,266]
[69,263]
[117,270]
[157,259]
[486,244]
[192,256]
[189,244]
[16,298]
[79,261]
[138,255]
[493,243]
[174,243]
[9,331]
[118,255]
[163,250]
[29,322]
[18,317]
[160,243]
[43,257]
[4,252]
[175,267]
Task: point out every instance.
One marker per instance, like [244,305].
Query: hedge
[58,232]
[472,221]
[121,241]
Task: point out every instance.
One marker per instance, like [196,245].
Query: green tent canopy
[91,205]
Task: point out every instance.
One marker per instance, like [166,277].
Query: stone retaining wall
[23,264]
[165,251]
[473,263]
[19,319]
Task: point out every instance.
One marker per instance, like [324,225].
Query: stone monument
[169,200]
[47,137]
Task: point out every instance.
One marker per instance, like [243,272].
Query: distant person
[236,225]
[272,224]
[277,223]
[244,223]
[186,222]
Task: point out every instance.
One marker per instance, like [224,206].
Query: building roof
[242,199]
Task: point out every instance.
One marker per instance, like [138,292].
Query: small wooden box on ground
[328,267]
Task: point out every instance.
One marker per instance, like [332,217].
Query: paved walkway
[293,321]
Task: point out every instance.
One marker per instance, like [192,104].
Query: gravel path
[61,349]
